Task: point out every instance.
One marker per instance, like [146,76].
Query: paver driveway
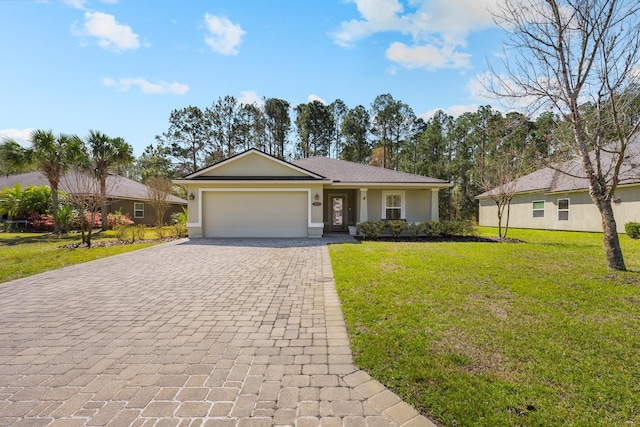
[216,332]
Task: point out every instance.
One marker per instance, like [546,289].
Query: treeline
[464,150]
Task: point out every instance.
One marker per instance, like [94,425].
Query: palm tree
[104,154]
[13,158]
[50,154]
[53,156]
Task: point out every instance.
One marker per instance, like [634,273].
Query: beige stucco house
[125,195]
[558,198]
[254,194]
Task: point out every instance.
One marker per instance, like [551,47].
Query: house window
[538,209]
[393,205]
[563,209]
[138,210]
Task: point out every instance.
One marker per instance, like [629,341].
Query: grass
[498,334]
[25,254]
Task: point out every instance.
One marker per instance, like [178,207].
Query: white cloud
[110,34]
[21,136]
[250,97]
[427,56]
[481,86]
[145,86]
[438,28]
[379,15]
[454,111]
[79,4]
[314,97]
[223,36]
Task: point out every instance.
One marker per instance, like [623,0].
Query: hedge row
[372,230]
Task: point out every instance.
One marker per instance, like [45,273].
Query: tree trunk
[500,210]
[598,193]
[506,223]
[105,204]
[55,204]
[612,250]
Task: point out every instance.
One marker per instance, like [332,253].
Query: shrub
[448,228]
[179,224]
[429,228]
[179,217]
[413,229]
[122,232]
[632,229]
[460,227]
[118,218]
[397,227]
[67,216]
[179,229]
[139,231]
[160,232]
[41,222]
[97,219]
[371,229]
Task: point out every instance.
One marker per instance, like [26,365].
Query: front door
[338,213]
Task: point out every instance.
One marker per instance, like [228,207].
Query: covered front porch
[348,206]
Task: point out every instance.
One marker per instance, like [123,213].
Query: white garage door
[255,214]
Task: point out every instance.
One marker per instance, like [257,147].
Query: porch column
[364,214]
[435,212]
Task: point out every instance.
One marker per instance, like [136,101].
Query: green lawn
[25,254]
[498,334]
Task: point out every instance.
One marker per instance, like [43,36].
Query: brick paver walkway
[211,333]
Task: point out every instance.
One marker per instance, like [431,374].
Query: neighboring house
[254,194]
[558,198]
[129,197]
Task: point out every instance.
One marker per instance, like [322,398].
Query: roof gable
[253,164]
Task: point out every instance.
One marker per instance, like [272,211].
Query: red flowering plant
[41,222]
[118,219]
[97,220]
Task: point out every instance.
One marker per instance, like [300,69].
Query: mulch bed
[444,239]
[108,243]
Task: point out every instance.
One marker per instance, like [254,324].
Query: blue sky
[121,66]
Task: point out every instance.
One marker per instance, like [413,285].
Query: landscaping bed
[110,243]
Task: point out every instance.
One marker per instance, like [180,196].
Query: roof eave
[351,184]
[184,181]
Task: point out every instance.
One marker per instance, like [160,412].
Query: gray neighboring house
[254,194]
[553,200]
[128,196]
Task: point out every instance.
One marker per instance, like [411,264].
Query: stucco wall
[417,204]
[583,214]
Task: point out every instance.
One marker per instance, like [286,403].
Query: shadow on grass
[44,238]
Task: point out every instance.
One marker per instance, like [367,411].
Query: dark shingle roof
[349,172]
[568,176]
[118,187]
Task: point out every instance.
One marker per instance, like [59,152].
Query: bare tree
[500,183]
[158,191]
[580,58]
[85,195]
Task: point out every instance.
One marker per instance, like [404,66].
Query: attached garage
[255,213]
